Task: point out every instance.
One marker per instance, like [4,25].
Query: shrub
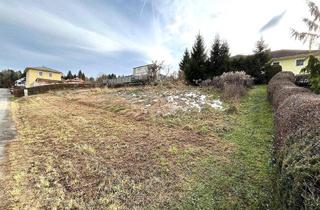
[297,142]
[233,84]
[238,78]
[284,75]
[284,92]
[233,91]
[313,69]
[278,81]
[299,111]
[299,166]
[277,86]
[271,71]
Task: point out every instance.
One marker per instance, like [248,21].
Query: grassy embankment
[94,150]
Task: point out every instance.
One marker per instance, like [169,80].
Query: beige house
[293,60]
[37,76]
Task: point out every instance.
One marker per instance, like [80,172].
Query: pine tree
[69,75]
[261,59]
[213,64]
[184,63]
[80,74]
[225,58]
[219,59]
[196,70]
[185,60]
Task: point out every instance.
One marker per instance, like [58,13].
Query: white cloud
[174,25]
[236,21]
[69,33]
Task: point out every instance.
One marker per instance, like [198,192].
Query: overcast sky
[113,36]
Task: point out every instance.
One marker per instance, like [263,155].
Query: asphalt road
[6,129]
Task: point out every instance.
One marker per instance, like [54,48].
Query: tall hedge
[297,142]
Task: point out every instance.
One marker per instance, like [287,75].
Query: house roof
[43,68]
[292,53]
[282,54]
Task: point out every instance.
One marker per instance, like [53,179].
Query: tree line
[80,75]
[197,66]
[8,77]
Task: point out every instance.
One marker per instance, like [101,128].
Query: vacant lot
[151,148]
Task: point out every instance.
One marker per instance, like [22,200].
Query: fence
[19,92]
[127,80]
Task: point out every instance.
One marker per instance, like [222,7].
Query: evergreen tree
[111,76]
[185,60]
[225,58]
[80,74]
[69,75]
[184,63]
[219,59]
[261,61]
[256,65]
[196,70]
[212,69]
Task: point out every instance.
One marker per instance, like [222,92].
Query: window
[276,63]
[50,74]
[300,62]
[40,73]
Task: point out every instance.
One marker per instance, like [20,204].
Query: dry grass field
[138,148]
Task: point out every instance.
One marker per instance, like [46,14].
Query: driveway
[6,129]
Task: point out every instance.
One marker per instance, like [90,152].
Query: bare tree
[313,24]
[154,70]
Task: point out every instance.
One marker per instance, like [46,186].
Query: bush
[313,69]
[233,84]
[299,111]
[233,91]
[297,142]
[284,92]
[299,166]
[271,71]
[284,75]
[277,86]
[238,78]
[280,80]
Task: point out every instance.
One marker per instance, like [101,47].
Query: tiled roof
[277,54]
[289,53]
[43,68]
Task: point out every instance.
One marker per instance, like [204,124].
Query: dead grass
[95,150]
